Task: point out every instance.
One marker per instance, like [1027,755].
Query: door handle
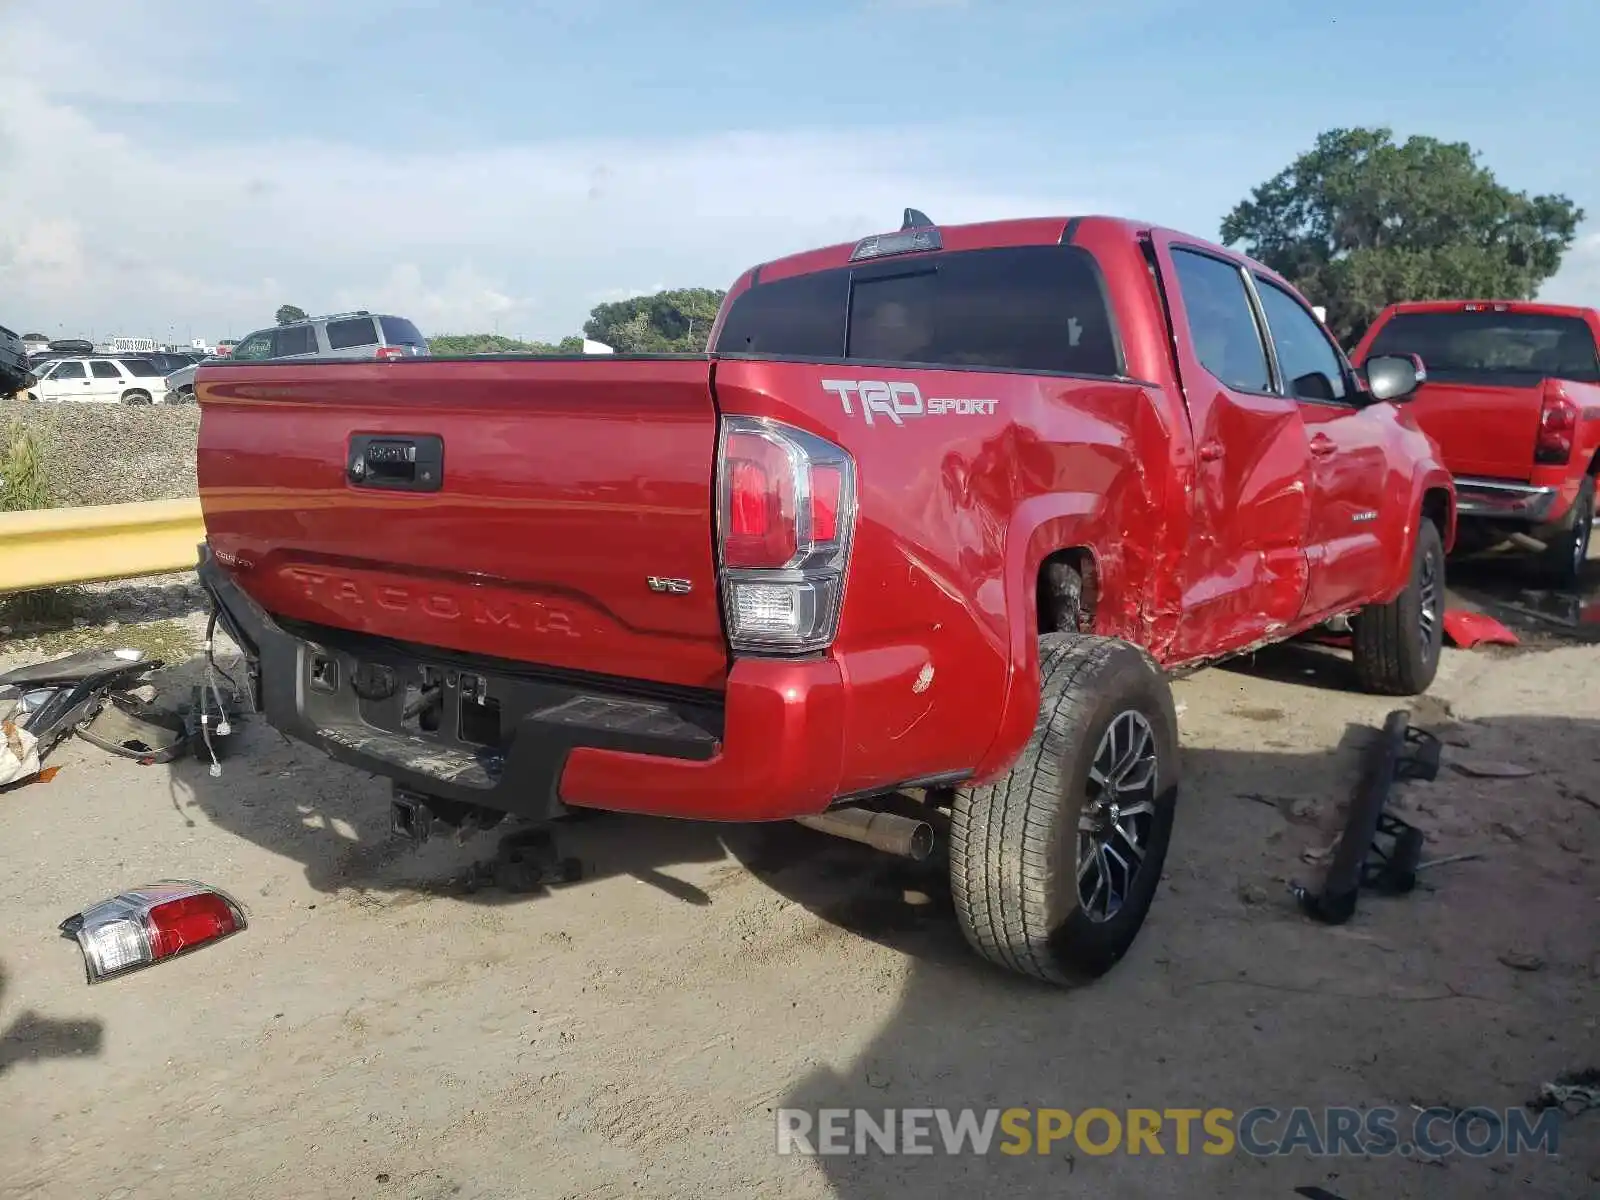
[1210,451]
[1323,445]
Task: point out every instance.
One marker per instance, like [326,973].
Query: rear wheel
[1397,645]
[1566,550]
[135,397]
[1054,867]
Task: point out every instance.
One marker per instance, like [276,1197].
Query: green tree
[1359,222]
[677,321]
[288,314]
[464,345]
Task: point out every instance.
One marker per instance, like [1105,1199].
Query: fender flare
[1039,527]
[1423,481]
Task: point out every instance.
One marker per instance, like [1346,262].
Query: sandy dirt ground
[379,1031]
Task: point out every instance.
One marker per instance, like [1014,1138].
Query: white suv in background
[99,380]
[343,335]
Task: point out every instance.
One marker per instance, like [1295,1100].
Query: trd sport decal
[897,401]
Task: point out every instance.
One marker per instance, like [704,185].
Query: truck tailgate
[561,488]
[1481,430]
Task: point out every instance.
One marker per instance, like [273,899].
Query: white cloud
[1578,281]
[101,232]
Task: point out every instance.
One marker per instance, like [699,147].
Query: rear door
[105,381]
[294,341]
[1349,459]
[1245,573]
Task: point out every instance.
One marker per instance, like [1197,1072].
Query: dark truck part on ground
[1513,400]
[932,518]
[1377,850]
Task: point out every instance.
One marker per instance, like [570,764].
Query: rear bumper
[771,747]
[1496,499]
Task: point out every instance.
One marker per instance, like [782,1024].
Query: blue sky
[176,166]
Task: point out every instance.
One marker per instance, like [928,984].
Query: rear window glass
[397,331]
[143,368]
[1528,346]
[357,331]
[1027,308]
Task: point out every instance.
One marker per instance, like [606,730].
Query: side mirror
[1394,376]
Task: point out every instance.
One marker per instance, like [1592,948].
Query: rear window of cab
[1037,309]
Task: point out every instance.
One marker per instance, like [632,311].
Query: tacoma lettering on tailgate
[343,591]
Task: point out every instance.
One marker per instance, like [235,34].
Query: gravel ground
[383,1031]
[112,454]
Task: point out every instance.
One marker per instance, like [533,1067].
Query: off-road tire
[1394,655]
[136,396]
[1014,844]
[1566,549]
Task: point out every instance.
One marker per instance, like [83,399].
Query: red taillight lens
[180,925]
[1558,427]
[826,484]
[760,529]
[390,353]
[137,928]
[786,513]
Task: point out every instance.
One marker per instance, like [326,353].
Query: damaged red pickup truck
[928,521]
[1513,402]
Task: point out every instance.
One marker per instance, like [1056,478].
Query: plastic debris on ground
[1468,629]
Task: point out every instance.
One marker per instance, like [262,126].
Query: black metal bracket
[1377,850]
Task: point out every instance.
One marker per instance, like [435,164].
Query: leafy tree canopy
[676,321]
[463,344]
[288,314]
[1359,222]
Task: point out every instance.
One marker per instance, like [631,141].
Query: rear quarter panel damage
[957,510]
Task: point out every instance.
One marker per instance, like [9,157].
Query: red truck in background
[1513,400]
[928,521]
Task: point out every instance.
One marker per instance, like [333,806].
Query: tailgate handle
[396,462]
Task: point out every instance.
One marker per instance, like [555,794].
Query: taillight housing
[390,353]
[1558,428]
[786,513]
[147,925]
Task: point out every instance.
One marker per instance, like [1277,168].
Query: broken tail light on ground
[150,924]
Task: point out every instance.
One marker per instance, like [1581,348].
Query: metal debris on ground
[1377,850]
[104,697]
[1573,1092]
[1485,769]
[43,703]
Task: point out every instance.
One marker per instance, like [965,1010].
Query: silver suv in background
[358,335]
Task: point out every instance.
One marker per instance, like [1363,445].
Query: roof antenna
[915,219]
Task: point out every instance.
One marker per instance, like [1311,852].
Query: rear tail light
[390,353]
[1558,427]
[147,925]
[786,509]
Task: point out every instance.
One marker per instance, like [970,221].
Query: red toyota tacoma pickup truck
[1513,401]
[929,520]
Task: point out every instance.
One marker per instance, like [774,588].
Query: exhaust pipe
[905,837]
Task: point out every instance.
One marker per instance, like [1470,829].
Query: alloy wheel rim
[1428,597]
[1118,815]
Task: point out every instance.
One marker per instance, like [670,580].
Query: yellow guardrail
[48,547]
